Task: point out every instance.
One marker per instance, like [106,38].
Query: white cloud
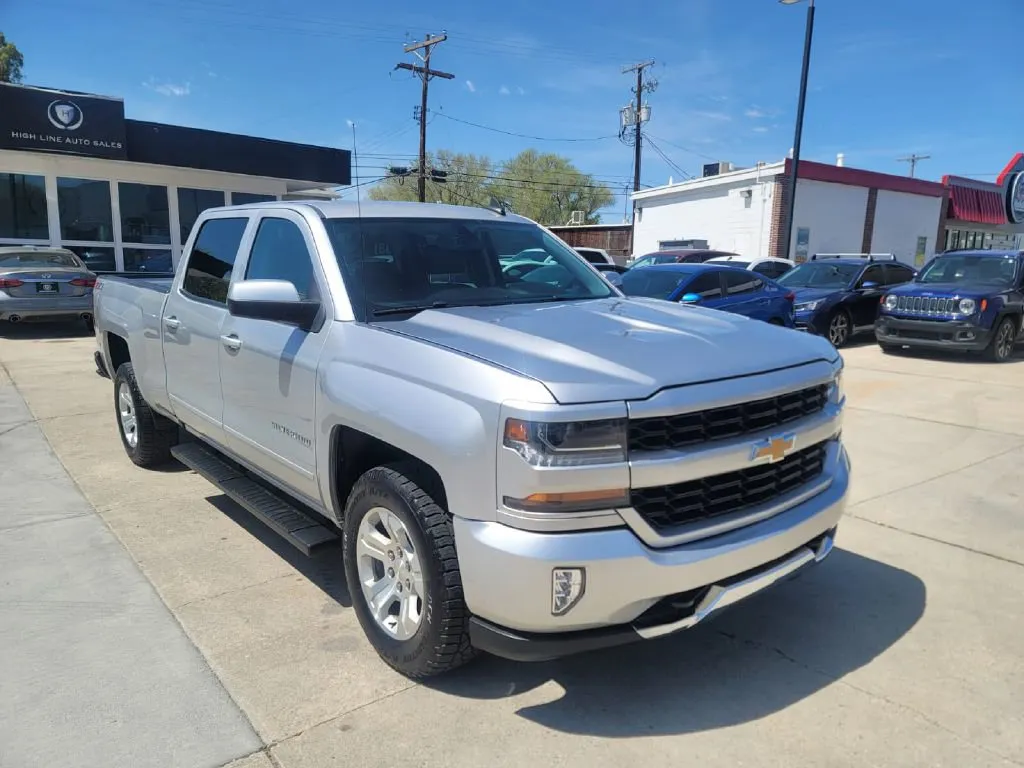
[504,91]
[470,87]
[520,91]
[760,129]
[168,89]
[714,116]
[755,112]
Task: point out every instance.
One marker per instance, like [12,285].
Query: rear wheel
[839,328]
[147,436]
[1000,348]
[401,565]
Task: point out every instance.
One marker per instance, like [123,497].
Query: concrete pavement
[903,649]
[95,670]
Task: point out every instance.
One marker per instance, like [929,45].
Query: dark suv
[963,300]
[838,296]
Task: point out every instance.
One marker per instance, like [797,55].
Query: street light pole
[787,236]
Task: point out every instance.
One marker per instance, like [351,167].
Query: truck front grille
[667,506]
[660,433]
[926,305]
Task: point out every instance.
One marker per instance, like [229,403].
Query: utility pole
[425,73]
[913,159]
[638,114]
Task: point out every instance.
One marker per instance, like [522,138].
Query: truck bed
[155,281]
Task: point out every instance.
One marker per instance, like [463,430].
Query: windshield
[819,274]
[970,268]
[732,262]
[31,260]
[655,258]
[398,265]
[653,283]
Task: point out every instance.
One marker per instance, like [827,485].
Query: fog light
[567,587]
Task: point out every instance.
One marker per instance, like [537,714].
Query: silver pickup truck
[527,464]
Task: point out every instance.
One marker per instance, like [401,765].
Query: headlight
[807,306]
[967,306]
[835,389]
[567,443]
[889,302]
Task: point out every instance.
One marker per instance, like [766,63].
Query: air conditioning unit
[578,217]
[713,169]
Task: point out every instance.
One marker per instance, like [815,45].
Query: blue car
[838,297]
[962,300]
[729,289]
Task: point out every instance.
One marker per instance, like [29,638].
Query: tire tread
[157,434]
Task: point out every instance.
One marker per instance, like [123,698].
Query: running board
[294,525]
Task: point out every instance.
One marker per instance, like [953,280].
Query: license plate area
[46,288]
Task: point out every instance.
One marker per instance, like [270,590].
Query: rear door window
[738,282]
[209,265]
[707,285]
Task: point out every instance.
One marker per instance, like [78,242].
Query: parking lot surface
[902,649]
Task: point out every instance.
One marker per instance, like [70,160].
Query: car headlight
[807,306]
[567,443]
[967,306]
[889,302]
[835,389]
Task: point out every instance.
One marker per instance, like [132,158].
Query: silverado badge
[773,449]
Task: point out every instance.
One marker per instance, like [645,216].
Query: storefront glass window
[147,260]
[192,202]
[247,198]
[84,209]
[97,258]
[23,207]
[144,214]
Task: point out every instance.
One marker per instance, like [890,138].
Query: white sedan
[769,267]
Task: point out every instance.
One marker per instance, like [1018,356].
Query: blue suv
[837,296]
[962,300]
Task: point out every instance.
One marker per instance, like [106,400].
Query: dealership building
[123,194]
[838,210]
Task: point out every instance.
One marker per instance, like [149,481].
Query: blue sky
[888,77]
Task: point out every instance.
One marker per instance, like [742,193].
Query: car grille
[926,305]
[667,506]
[665,432]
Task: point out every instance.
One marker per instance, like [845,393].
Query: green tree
[547,188]
[11,61]
[467,182]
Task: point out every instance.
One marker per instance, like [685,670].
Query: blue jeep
[837,295]
[962,300]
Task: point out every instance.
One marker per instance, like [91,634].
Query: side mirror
[274,300]
[868,284]
[690,298]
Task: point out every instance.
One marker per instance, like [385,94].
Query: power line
[667,159]
[426,75]
[913,159]
[519,135]
[663,140]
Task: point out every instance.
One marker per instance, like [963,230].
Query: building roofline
[740,174]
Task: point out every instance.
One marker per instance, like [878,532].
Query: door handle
[172,324]
[232,342]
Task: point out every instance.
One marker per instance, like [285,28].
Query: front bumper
[932,334]
[632,591]
[58,307]
[807,321]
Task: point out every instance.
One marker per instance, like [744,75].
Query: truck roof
[344,209]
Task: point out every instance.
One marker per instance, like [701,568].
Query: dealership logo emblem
[65,115]
[1015,198]
[773,449]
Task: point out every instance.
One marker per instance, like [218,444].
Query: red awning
[981,206]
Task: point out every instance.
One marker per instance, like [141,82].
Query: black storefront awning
[87,125]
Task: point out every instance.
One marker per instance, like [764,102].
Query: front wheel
[839,328]
[1000,348]
[403,573]
[147,437]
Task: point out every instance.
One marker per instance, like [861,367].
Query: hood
[615,349]
[946,290]
[812,294]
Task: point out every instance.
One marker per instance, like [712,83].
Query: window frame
[711,273]
[316,291]
[898,270]
[242,249]
[864,275]
[756,282]
[46,214]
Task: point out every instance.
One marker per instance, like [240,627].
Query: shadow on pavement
[766,654]
[68,331]
[325,569]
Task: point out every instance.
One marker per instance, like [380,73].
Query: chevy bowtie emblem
[774,448]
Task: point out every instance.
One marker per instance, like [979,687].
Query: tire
[775,321]
[890,349]
[438,641]
[147,436]
[840,328]
[90,327]
[1000,348]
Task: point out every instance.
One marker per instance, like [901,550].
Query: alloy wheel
[126,414]
[390,573]
[838,330]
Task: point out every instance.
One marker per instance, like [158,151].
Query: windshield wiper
[414,308]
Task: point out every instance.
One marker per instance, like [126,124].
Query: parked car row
[962,300]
